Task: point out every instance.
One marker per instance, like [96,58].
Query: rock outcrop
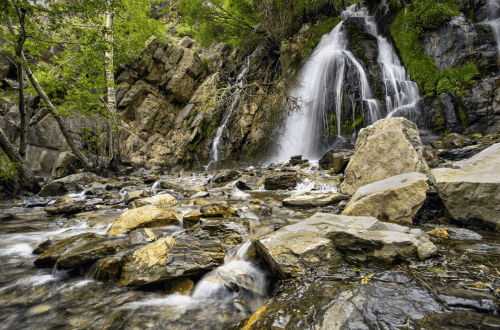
[387,148]
[470,189]
[144,217]
[169,258]
[328,239]
[396,199]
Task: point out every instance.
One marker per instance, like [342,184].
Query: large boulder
[470,189]
[169,259]
[67,206]
[385,149]
[314,199]
[66,164]
[225,176]
[87,252]
[281,181]
[396,199]
[228,231]
[149,216]
[327,239]
[70,184]
[49,257]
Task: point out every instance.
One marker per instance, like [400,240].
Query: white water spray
[494,20]
[322,95]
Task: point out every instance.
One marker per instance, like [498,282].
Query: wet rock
[239,195]
[168,259]
[280,181]
[454,140]
[87,252]
[396,199]
[193,190]
[242,185]
[70,184]
[222,209]
[327,239]
[131,196]
[192,218]
[471,189]
[66,164]
[314,199]
[141,235]
[109,269]
[229,232]
[201,194]
[387,148]
[69,206]
[225,176]
[336,160]
[144,217]
[49,258]
[158,200]
[431,156]
[459,154]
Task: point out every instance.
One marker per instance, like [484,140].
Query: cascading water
[238,276]
[240,81]
[323,95]
[318,125]
[401,94]
[494,20]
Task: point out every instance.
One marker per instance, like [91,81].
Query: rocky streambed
[389,235]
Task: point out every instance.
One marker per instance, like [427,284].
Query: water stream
[494,20]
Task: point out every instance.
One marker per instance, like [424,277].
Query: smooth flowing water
[236,90]
[494,20]
[322,95]
[401,94]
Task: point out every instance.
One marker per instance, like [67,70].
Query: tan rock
[222,209]
[471,189]
[149,216]
[170,259]
[396,199]
[314,199]
[385,149]
[158,200]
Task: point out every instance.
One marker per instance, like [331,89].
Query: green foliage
[317,32]
[437,270]
[332,125]
[407,29]
[8,169]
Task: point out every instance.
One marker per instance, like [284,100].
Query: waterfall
[240,81]
[494,20]
[324,92]
[401,94]
[314,129]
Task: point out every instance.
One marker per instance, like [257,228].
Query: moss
[357,42]
[317,32]
[464,117]
[407,30]
[471,16]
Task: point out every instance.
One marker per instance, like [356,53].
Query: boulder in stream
[89,251]
[387,148]
[67,206]
[280,181]
[70,184]
[170,258]
[396,199]
[222,209]
[328,239]
[49,257]
[470,189]
[228,231]
[158,200]
[225,176]
[149,216]
[336,160]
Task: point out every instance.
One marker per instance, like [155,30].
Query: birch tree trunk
[110,83]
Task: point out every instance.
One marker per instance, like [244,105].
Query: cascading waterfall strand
[494,20]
